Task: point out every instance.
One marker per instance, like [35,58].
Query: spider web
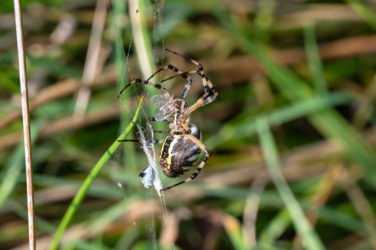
[145,134]
[151,177]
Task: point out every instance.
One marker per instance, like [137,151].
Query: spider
[182,147]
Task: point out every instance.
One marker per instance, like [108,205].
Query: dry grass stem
[26,123]
[92,57]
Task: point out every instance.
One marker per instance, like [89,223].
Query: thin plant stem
[26,123]
[89,180]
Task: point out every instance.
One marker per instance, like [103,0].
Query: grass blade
[364,11]
[89,180]
[310,238]
[275,228]
[314,59]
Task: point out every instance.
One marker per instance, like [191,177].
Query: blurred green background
[291,136]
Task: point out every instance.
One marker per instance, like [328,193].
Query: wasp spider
[182,147]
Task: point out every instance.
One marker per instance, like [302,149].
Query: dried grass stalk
[26,123]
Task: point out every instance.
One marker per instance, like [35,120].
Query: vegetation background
[292,139]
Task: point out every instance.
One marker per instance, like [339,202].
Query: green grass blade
[314,59]
[275,228]
[310,238]
[89,180]
[364,11]
[15,165]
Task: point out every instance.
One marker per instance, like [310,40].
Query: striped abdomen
[178,153]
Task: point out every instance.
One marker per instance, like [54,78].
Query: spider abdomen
[179,154]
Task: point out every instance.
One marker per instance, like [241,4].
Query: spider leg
[199,168]
[202,101]
[153,141]
[200,72]
[188,85]
[186,57]
[199,103]
[158,86]
[189,80]
[161,132]
[169,119]
[211,98]
[208,100]
[208,87]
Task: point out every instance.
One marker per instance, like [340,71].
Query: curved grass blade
[364,11]
[89,180]
[310,239]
